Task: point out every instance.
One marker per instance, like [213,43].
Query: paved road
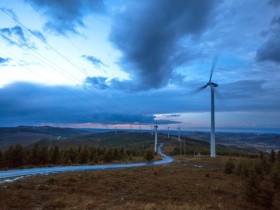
[8,174]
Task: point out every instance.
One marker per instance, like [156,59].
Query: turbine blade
[201,88]
[213,67]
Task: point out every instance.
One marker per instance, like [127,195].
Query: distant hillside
[26,135]
[242,140]
[65,137]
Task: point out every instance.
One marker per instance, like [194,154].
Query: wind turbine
[168,132]
[179,139]
[179,132]
[155,127]
[152,131]
[212,86]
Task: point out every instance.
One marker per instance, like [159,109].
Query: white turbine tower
[155,127]
[168,132]
[212,86]
[179,139]
[152,131]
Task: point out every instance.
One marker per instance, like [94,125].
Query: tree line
[18,156]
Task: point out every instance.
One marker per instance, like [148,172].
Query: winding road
[9,174]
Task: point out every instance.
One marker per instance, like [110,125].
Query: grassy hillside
[190,146]
[188,183]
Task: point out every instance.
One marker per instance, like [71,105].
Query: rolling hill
[26,135]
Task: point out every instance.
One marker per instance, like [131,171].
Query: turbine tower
[212,86]
[156,127]
[179,139]
[168,132]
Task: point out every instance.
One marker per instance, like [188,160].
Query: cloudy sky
[93,63]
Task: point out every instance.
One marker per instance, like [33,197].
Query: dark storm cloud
[244,89]
[66,15]
[103,83]
[15,36]
[125,85]
[123,118]
[167,122]
[93,60]
[4,60]
[97,82]
[249,96]
[148,33]
[23,103]
[171,115]
[242,95]
[270,50]
[274,2]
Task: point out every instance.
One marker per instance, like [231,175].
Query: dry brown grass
[180,185]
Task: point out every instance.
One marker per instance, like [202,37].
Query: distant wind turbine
[156,127]
[212,86]
[179,139]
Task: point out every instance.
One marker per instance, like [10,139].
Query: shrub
[1,157]
[229,166]
[251,187]
[55,155]
[272,156]
[150,155]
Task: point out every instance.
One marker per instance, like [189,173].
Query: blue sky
[96,62]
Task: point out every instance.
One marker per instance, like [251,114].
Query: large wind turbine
[212,86]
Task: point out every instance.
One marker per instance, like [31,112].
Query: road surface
[12,174]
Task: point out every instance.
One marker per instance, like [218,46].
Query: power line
[56,68]
[61,55]
[128,107]
[60,86]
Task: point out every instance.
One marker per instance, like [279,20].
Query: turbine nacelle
[212,84]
